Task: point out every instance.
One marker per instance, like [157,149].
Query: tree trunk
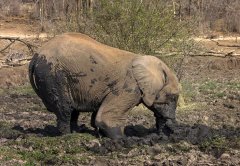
[41,13]
[78,14]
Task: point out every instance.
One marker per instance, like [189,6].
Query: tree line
[218,15]
[143,26]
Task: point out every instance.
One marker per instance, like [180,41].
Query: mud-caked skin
[73,73]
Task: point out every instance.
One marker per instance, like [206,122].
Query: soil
[207,133]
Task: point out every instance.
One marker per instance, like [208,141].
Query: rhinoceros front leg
[111,116]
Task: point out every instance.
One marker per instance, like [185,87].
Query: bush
[138,26]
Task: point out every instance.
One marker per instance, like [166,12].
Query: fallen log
[217,54]
[208,53]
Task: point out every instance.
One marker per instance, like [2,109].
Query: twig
[204,163]
[12,40]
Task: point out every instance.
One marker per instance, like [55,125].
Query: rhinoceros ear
[150,77]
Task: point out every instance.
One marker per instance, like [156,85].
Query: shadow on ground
[139,135]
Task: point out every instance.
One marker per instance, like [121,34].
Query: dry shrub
[139,26]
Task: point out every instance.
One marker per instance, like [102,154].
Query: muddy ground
[208,130]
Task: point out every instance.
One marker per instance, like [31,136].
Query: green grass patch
[6,131]
[19,90]
[1,91]
[188,90]
[208,86]
[217,145]
[52,150]
[219,94]
[215,89]
[234,85]
[211,85]
[7,154]
[204,90]
[22,90]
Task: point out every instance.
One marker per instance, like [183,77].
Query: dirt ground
[208,130]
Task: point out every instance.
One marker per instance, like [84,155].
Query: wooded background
[141,26]
[218,15]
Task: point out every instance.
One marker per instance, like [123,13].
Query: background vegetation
[142,26]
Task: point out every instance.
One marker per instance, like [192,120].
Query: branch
[217,54]
[208,53]
[12,40]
